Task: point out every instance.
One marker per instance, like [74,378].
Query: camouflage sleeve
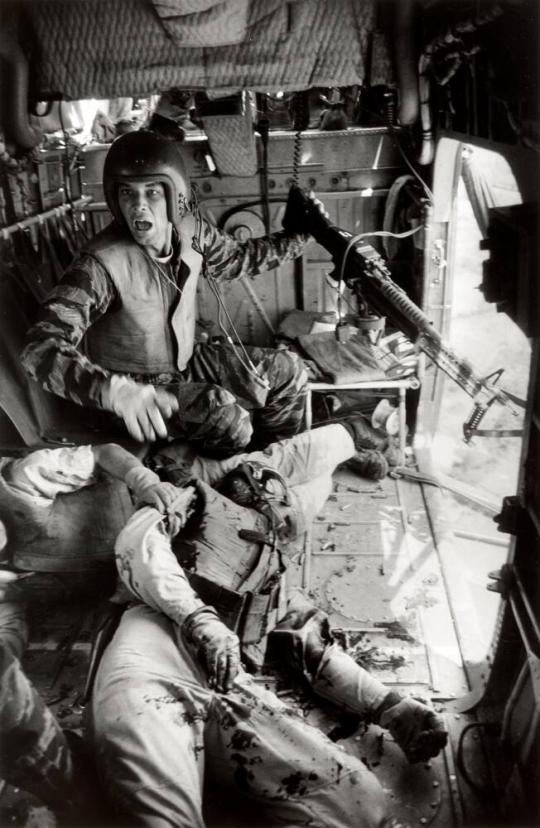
[51,355]
[226,258]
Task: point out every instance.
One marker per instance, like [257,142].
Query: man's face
[144,208]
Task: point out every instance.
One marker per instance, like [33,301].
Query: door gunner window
[488,465]
[488,339]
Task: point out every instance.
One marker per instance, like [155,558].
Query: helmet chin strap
[167,247]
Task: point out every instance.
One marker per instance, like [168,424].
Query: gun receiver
[365,273]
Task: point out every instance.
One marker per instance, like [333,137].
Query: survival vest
[233,563]
[139,335]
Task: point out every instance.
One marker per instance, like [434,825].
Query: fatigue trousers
[34,753]
[267,409]
[156,725]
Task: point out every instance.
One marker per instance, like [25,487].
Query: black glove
[304,214]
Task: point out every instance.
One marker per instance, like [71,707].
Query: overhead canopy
[101,49]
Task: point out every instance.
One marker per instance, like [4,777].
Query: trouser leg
[34,753]
[146,723]
[304,639]
[294,773]
[153,714]
[342,681]
[277,403]
[298,459]
[284,411]
[418,730]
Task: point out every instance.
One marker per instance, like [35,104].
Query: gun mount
[365,272]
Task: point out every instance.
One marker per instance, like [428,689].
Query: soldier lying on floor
[206,581]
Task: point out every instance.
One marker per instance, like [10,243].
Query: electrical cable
[332,284]
[382,233]
[238,345]
[397,142]
[391,208]
[476,787]
[416,174]
[162,273]
[222,310]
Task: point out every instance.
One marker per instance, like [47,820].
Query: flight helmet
[146,156]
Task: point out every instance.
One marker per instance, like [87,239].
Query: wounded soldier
[173,699]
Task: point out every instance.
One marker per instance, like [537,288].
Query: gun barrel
[365,272]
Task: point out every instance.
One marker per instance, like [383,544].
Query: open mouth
[142,226]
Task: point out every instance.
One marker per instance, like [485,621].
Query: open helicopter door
[481,291]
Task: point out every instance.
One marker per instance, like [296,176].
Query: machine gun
[364,271]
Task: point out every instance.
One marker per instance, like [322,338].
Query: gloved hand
[416,728]
[216,646]
[170,501]
[143,408]
[304,213]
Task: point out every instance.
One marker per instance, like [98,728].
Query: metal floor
[372,564]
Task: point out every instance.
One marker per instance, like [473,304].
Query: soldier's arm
[227,259]
[115,460]
[51,355]
[150,570]
[173,503]
[145,561]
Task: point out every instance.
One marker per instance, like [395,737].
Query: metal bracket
[510,518]
[503,579]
